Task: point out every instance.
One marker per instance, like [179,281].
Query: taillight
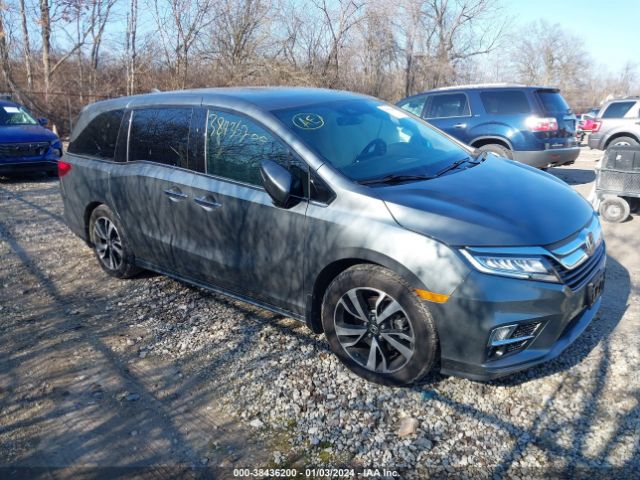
[596,126]
[539,124]
[63,168]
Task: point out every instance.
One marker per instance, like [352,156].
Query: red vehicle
[586,124]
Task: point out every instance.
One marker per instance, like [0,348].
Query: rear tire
[622,142]
[497,149]
[52,173]
[614,209]
[389,337]
[110,245]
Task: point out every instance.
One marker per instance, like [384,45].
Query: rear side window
[553,102]
[160,135]
[450,105]
[99,137]
[617,110]
[235,146]
[505,102]
[414,105]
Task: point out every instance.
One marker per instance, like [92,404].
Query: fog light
[501,334]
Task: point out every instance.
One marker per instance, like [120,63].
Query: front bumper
[29,166]
[484,302]
[552,157]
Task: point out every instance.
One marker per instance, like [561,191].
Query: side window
[505,102]
[160,135]
[448,105]
[617,109]
[99,137]
[414,105]
[235,146]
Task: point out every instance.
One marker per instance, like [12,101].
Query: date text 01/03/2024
[314,472]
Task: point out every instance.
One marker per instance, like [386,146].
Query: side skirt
[266,306]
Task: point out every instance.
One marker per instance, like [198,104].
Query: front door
[237,238]
[450,113]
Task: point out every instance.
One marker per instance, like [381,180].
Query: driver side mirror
[43,121]
[278,182]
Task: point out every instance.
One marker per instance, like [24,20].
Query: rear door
[237,238]
[151,191]
[449,112]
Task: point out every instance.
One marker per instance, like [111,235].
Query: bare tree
[377,48]
[66,12]
[98,18]
[179,24]
[131,52]
[236,37]
[338,20]
[440,35]
[26,42]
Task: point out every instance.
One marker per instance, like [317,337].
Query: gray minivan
[405,247]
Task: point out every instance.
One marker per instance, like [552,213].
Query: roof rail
[482,85]
[6,96]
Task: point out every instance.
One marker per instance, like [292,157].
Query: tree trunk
[45,25]
[27,45]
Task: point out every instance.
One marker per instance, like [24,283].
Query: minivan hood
[496,203]
[25,134]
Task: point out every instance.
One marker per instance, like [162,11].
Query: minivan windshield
[368,140]
[11,115]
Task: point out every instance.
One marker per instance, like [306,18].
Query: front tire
[614,209]
[378,327]
[498,150]
[110,244]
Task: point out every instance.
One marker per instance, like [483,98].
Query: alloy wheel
[107,243]
[374,330]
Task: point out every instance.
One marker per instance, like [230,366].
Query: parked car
[533,125]
[25,145]
[404,246]
[617,124]
[617,188]
[586,123]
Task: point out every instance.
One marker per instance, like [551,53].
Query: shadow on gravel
[573,176]
[86,423]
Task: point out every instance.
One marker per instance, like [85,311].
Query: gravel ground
[153,373]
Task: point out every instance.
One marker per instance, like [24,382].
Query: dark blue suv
[533,125]
[25,145]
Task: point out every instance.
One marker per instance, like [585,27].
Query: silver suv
[617,124]
[405,247]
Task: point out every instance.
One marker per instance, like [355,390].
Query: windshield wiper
[455,165]
[393,178]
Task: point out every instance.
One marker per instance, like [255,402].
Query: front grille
[18,150]
[577,277]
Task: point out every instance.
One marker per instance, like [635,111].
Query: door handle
[207,202]
[460,125]
[175,194]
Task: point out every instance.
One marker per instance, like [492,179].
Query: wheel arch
[87,216]
[618,135]
[488,140]
[329,272]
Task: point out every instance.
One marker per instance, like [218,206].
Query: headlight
[529,267]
